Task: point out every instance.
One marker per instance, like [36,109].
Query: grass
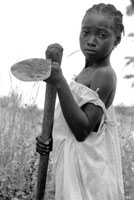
[19,125]
[125,116]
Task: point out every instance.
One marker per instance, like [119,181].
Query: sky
[29,26]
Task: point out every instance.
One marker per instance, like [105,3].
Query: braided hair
[111,11]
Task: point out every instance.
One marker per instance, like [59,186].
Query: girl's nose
[91,41]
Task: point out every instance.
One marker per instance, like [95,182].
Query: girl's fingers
[48,141]
[42,150]
[43,147]
[41,141]
[42,153]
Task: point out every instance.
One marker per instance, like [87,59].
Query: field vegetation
[20,124]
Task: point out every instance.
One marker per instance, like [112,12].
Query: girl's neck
[97,64]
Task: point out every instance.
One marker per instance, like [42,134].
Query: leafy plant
[130,8]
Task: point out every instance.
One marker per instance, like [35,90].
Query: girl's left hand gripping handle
[53,52]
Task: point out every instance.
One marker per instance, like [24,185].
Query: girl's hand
[43,147]
[54,53]
[56,74]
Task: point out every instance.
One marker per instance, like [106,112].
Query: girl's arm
[76,117]
[80,122]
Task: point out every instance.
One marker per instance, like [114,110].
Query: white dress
[89,170]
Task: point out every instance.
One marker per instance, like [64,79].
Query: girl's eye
[84,33]
[102,35]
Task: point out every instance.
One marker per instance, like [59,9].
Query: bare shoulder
[105,80]
[106,75]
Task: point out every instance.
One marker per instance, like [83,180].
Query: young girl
[86,150]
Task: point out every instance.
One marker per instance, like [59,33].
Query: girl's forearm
[75,117]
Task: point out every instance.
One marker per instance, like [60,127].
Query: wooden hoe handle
[53,52]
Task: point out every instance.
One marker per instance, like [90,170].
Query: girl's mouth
[90,50]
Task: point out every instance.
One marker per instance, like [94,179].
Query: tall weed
[18,159]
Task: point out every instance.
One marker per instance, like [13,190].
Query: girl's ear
[118,39]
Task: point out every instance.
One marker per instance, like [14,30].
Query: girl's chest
[85,76]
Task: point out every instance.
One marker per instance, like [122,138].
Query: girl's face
[97,37]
